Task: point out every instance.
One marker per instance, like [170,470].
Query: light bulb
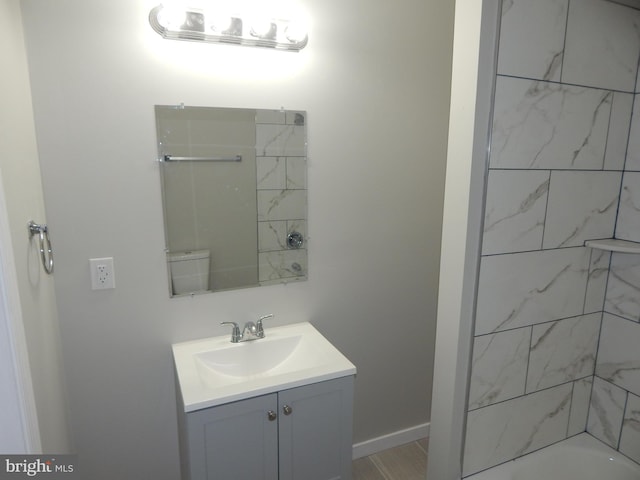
[172,16]
[296,32]
[265,29]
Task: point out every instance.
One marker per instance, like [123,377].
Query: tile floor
[406,462]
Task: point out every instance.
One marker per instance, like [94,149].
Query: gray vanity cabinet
[315,439]
[234,441]
[304,433]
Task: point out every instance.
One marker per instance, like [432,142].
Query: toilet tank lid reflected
[188,255]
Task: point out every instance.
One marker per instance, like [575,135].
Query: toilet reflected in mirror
[234,191]
[189,271]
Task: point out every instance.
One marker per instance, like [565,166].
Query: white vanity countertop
[213,371]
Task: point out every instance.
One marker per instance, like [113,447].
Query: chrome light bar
[204,26]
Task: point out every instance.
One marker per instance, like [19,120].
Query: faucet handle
[259,327]
[235,333]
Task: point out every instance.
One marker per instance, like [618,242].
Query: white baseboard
[394,439]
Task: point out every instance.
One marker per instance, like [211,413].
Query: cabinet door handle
[287,410]
[271,415]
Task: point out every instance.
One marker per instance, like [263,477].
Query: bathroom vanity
[276,408]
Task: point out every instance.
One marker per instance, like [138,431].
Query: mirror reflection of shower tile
[271,173]
[280,140]
[281,204]
[277,266]
[296,118]
[271,116]
[296,173]
[272,236]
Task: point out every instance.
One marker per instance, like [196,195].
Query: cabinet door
[316,431]
[236,441]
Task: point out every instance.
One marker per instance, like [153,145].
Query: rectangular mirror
[234,192]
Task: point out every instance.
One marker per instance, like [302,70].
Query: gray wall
[23,191]
[377,104]
[562,112]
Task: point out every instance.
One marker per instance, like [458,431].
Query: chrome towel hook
[43,233]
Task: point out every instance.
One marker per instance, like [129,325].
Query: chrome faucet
[251,331]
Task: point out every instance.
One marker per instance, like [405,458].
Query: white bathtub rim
[583,440]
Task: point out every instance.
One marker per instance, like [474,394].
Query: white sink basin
[250,358]
[214,371]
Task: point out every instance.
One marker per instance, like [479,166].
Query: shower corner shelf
[614,245]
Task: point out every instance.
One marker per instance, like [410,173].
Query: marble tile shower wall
[281,167]
[567,73]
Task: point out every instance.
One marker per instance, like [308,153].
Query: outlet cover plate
[102,273]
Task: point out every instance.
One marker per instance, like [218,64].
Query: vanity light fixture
[207,26]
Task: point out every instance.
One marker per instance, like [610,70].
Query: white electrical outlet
[102,273]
